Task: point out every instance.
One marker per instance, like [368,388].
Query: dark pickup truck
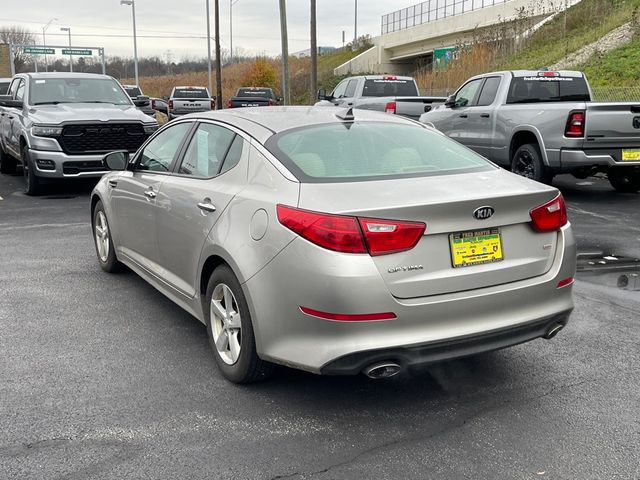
[254,97]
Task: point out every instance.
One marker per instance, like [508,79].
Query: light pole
[355,28]
[44,42]
[68,29]
[209,49]
[231,4]
[135,42]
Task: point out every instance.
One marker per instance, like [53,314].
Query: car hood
[86,112]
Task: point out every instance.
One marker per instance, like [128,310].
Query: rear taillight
[171,104]
[270,102]
[348,234]
[551,216]
[390,107]
[229,104]
[342,317]
[153,104]
[575,124]
[213,104]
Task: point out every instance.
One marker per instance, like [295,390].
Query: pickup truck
[185,100]
[254,97]
[140,100]
[60,125]
[542,123]
[384,93]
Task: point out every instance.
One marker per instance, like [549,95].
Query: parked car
[4,85]
[541,123]
[254,97]
[60,125]
[184,100]
[141,101]
[384,93]
[372,248]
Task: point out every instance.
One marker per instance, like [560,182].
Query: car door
[134,195]
[481,118]
[464,102]
[191,200]
[12,119]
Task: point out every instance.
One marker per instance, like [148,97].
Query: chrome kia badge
[482,213]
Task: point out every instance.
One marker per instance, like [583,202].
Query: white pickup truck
[185,100]
[384,93]
[542,123]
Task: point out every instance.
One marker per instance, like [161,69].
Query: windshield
[389,88]
[190,93]
[370,150]
[77,90]
[534,89]
[133,92]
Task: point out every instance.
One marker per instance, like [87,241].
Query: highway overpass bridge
[409,37]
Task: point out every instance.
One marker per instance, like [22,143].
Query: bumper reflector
[565,282]
[341,317]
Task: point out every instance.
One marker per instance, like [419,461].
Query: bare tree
[17,35]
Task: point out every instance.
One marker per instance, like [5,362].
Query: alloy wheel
[226,325]
[102,236]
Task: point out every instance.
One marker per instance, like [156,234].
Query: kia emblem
[482,213]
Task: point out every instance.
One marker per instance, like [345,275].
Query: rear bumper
[60,165]
[570,159]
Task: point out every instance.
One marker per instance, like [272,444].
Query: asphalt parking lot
[103,377]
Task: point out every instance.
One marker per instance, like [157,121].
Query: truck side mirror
[8,101]
[322,94]
[117,160]
[450,102]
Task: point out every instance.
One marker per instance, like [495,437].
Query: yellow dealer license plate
[475,248]
[630,155]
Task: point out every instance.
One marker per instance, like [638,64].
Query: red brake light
[387,236]
[548,74]
[575,124]
[390,107]
[229,104]
[270,102]
[565,282]
[153,104]
[348,234]
[551,216]
[213,104]
[389,77]
[171,104]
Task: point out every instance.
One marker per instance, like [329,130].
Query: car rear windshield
[389,88]
[133,91]
[77,90]
[534,89]
[341,152]
[190,93]
[257,92]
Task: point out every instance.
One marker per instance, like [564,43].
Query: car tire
[103,241]
[8,164]
[230,329]
[625,179]
[32,184]
[527,162]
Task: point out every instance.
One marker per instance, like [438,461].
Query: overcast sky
[255,23]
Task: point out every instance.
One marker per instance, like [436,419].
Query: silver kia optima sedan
[334,241]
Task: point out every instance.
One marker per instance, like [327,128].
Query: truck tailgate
[413,107]
[612,125]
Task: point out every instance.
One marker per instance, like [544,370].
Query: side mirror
[450,102]
[322,94]
[8,101]
[117,160]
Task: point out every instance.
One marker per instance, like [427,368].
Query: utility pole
[355,28]
[68,29]
[231,4]
[44,42]
[218,64]
[285,52]
[314,52]
[209,50]
[132,4]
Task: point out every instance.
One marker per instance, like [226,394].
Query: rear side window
[369,151]
[389,88]
[489,90]
[534,89]
[190,93]
[467,93]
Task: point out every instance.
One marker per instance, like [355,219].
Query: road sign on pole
[76,51]
[39,50]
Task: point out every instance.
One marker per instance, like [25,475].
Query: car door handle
[484,115]
[150,193]
[207,206]
[463,115]
[113,183]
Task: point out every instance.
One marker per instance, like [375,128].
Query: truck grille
[74,168]
[92,138]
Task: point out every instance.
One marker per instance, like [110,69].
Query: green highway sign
[39,50]
[76,51]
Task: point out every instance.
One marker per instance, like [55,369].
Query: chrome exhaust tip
[553,331]
[382,370]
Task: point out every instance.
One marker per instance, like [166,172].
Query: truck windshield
[254,92]
[190,93]
[534,89]
[389,88]
[76,90]
[364,151]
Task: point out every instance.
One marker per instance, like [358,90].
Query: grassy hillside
[618,68]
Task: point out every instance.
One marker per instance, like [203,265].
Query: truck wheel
[527,162]
[32,185]
[103,241]
[230,329]
[625,179]
[7,162]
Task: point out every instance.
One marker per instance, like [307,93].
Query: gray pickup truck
[384,93]
[185,100]
[254,97]
[60,125]
[541,123]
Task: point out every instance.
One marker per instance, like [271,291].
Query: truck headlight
[46,131]
[149,128]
